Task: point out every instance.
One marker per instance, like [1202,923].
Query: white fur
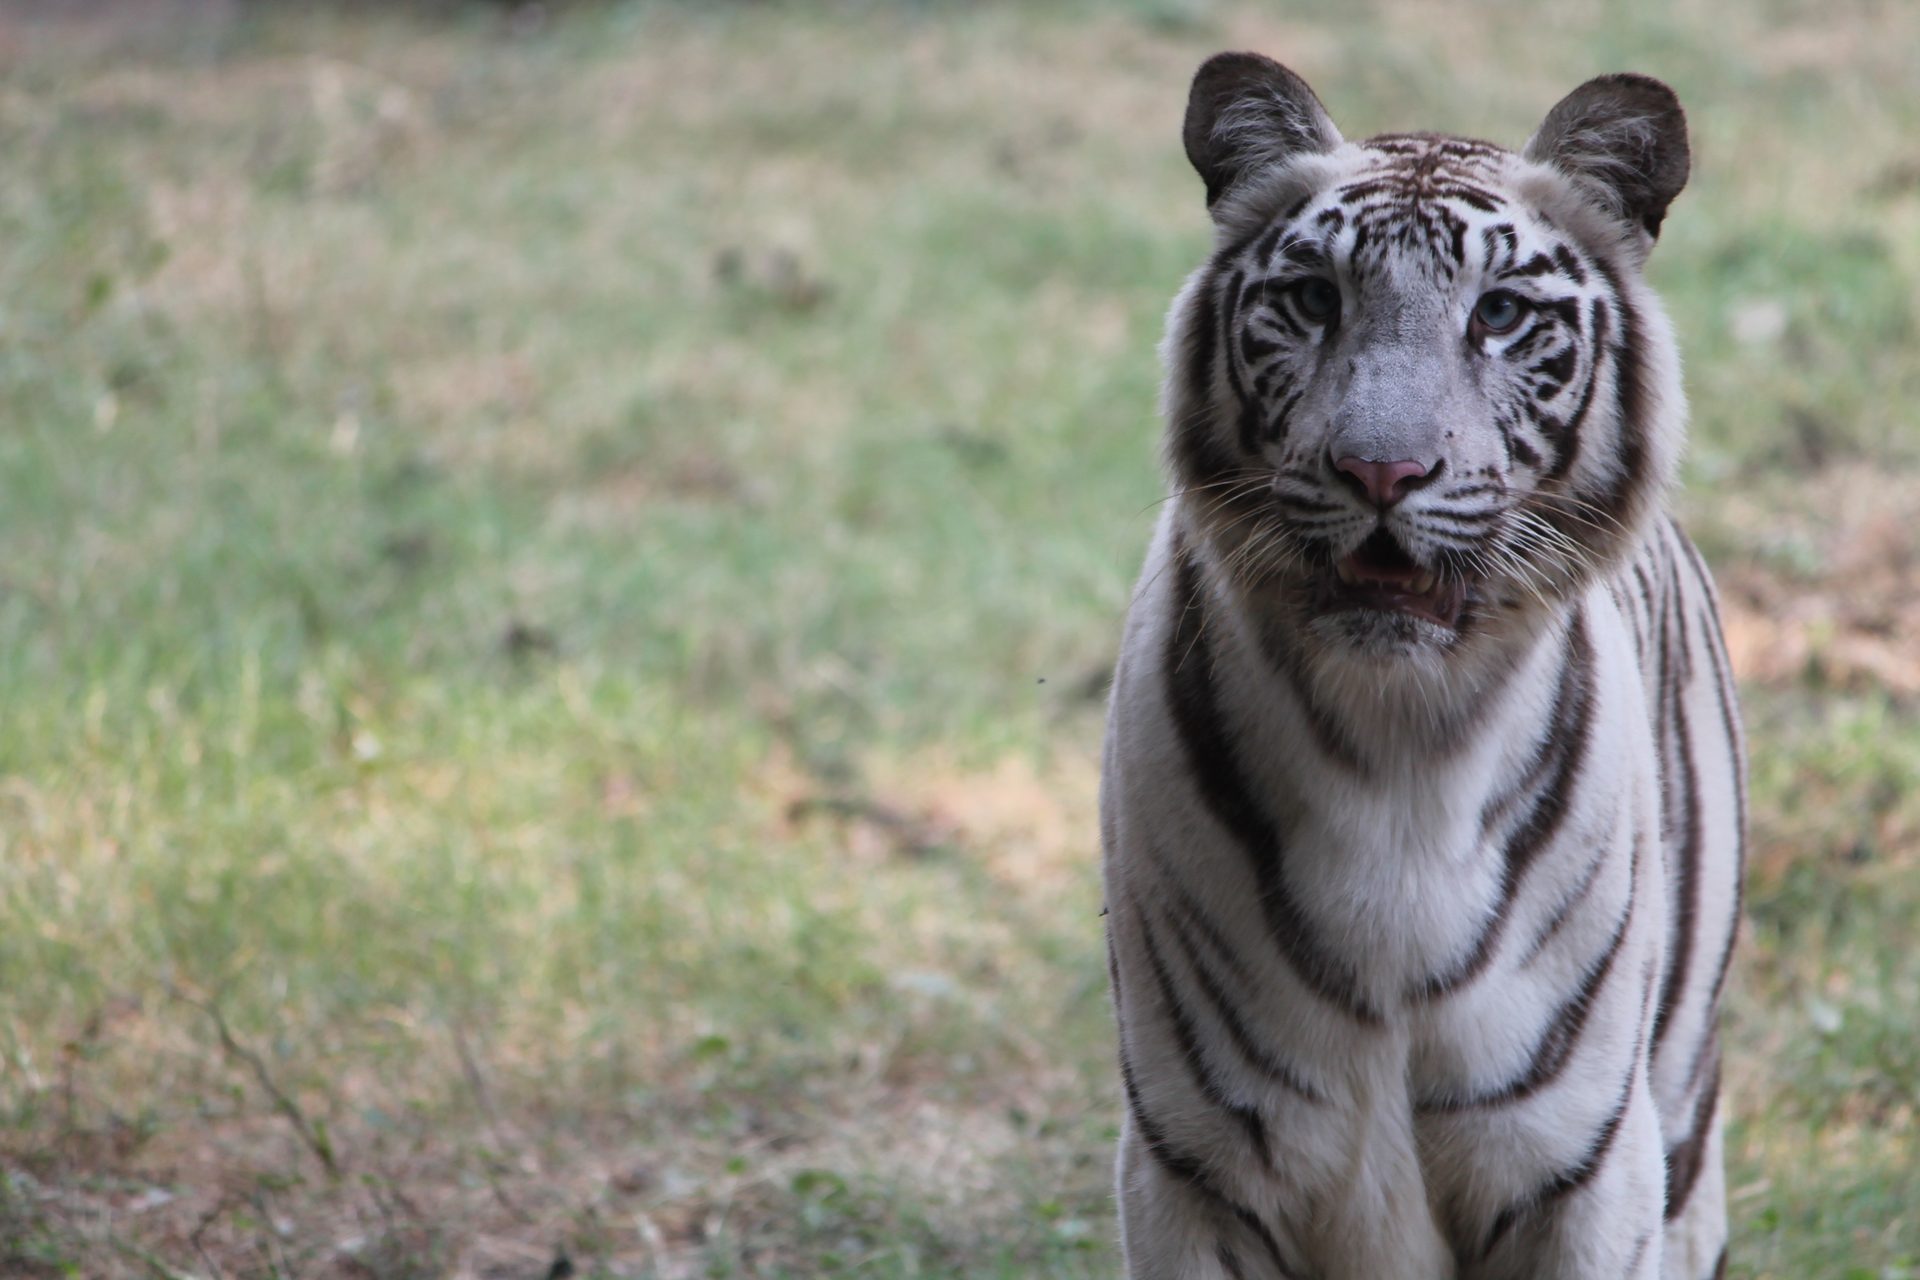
[1393,873]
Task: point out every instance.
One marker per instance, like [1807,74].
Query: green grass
[556,578]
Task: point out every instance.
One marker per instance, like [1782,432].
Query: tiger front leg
[1173,1226]
[1697,1236]
[1600,1219]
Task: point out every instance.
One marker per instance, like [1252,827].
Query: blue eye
[1498,312]
[1318,300]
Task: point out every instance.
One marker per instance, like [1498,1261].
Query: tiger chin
[1424,789]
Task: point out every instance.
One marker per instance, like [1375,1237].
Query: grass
[558,572]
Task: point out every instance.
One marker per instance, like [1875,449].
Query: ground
[559,567]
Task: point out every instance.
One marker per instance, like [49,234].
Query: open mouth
[1378,575]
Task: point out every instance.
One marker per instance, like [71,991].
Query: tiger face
[1420,392]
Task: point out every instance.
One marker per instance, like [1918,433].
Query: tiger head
[1420,392]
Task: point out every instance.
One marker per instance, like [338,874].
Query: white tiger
[1424,789]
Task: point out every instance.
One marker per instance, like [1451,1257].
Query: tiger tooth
[1422,583]
[1344,572]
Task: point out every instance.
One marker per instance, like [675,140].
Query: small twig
[477,1082]
[153,1262]
[313,1135]
[268,349]
[910,835]
[197,1238]
[269,1244]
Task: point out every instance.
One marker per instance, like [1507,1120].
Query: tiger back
[1423,786]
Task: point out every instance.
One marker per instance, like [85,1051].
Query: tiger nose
[1384,483]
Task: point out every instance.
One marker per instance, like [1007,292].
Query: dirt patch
[1031,825]
[1843,610]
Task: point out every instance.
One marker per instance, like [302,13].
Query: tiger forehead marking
[1422,796]
[1406,196]
[1426,212]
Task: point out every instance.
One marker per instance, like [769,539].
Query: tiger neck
[1379,713]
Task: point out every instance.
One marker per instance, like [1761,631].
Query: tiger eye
[1498,311]
[1318,299]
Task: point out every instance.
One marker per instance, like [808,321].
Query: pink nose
[1384,483]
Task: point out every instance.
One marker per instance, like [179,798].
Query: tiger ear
[1625,136]
[1246,112]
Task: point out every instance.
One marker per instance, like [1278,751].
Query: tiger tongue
[1380,560]
[1373,577]
[1410,579]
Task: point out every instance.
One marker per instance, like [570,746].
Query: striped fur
[1421,892]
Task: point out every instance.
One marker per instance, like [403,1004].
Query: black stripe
[1441,144]
[1282,318]
[1500,237]
[1666,537]
[1329,735]
[1562,1034]
[1556,369]
[1630,386]
[1565,309]
[1309,255]
[1234,249]
[1179,1165]
[1249,411]
[1686,1158]
[1685,910]
[1471,521]
[1706,1049]
[1362,234]
[1203,923]
[1251,1221]
[1564,1184]
[1567,447]
[1540,329]
[1723,665]
[1643,618]
[1216,771]
[1475,197]
[1569,264]
[1564,911]
[1254,348]
[1283,416]
[1185,1035]
[1729,720]
[1311,506]
[1563,750]
[1361,190]
[1523,453]
[1191,443]
[1640,1248]
[1190,1172]
[1228,1014]
[1264,250]
[1255,288]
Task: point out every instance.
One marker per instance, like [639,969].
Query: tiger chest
[1473,899]
[1398,880]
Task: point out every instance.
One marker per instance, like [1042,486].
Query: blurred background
[558,566]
